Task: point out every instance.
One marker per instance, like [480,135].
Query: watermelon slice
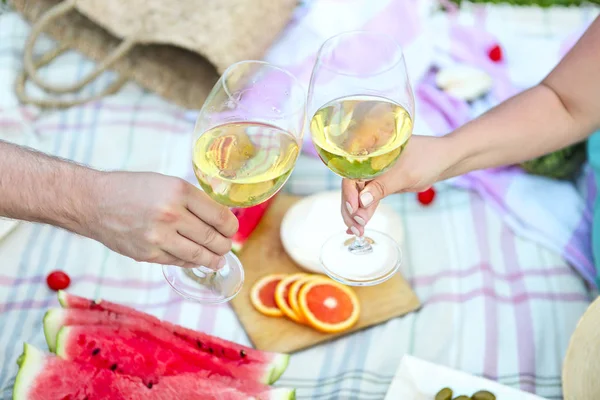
[248,219]
[69,343]
[43,376]
[275,362]
[145,355]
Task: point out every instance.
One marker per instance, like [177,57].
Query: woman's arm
[563,109]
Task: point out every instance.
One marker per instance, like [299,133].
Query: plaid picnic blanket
[494,304]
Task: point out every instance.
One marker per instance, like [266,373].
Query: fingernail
[359,220]
[349,208]
[221,263]
[355,231]
[366,198]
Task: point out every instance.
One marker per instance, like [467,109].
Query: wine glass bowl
[362,108]
[246,141]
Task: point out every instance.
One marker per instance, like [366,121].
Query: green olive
[483,395]
[444,394]
[462,397]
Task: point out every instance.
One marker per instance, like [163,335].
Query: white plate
[312,220]
[417,379]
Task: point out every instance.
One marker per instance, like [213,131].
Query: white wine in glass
[362,109]
[244,164]
[246,142]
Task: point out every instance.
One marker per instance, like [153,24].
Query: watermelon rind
[278,367]
[53,321]
[62,298]
[31,363]
[61,339]
[282,394]
[236,247]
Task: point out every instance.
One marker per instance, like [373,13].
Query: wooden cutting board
[264,254]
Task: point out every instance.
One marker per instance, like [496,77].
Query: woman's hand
[423,162]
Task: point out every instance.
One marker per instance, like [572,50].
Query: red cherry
[426,197]
[495,53]
[58,280]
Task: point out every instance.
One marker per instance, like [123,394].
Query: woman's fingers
[350,205]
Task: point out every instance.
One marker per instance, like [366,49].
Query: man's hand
[159,219]
[146,216]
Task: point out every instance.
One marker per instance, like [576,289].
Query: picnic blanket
[494,303]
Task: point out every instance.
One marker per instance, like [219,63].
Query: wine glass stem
[201,275]
[360,244]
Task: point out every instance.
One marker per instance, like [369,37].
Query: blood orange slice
[329,306]
[262,295]
[282,297]
[295,290]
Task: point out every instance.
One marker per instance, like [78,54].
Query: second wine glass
[246,142]
[362,109]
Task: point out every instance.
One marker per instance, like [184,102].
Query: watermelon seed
[242,353]
[199,343]
[113,367]
[150,384]
[96,351]
[210,350]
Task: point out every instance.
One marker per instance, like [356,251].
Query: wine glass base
[342,262]
[204,285]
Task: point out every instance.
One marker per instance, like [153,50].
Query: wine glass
[246,142]
[362,108]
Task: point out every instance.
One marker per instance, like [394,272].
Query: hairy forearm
[531,124]
[40,188]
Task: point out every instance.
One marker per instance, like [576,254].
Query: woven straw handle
[31,67]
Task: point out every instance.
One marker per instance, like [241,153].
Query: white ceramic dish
[312,220]
[417,379]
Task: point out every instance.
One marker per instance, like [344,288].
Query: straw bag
[176,48]
[581,365]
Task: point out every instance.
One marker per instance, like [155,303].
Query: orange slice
[329,306]
[295,290]
[262,295]
[282,297]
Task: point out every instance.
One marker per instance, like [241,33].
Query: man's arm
[143,215]
[40,188]
[562,110]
